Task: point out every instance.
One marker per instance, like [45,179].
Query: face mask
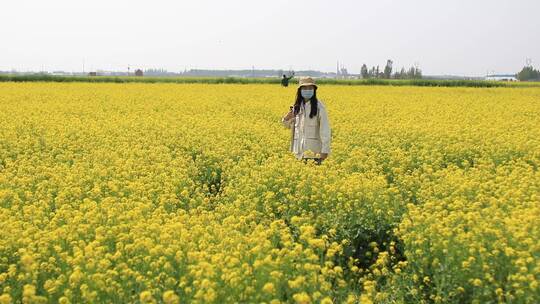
[307,94]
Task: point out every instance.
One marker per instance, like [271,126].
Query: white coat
[309,134]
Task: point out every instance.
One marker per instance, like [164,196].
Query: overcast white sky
[461,37]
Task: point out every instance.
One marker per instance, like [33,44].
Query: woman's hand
[289,115]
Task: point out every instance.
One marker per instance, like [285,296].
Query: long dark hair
[300,99]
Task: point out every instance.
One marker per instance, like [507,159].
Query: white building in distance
[501,78]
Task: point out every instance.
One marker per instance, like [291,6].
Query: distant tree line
[528,73]
[387,73]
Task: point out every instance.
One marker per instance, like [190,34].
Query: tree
[388,69]
[399,74]
[372,73]
[414,72]
[410,73]
[528,73]
[417,73]
[364,71]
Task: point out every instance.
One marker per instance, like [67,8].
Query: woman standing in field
[309,123]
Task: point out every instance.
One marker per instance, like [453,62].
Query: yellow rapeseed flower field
[186,193]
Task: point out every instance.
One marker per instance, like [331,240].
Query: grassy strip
[218,80]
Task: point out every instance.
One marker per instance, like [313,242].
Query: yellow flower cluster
[176,193]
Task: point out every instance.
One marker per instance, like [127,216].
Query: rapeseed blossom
[181,193]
